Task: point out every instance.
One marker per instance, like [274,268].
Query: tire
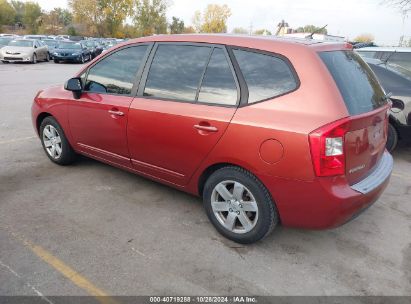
[82,59]
[52,135]
[47,57]
[261,222]
[392,139]
[34,59]
[56,61]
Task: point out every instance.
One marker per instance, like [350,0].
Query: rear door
[367,105]
[185,102]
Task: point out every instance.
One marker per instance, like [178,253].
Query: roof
[254,41]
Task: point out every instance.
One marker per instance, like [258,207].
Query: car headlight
[55,53]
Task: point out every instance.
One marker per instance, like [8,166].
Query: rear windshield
[355,80]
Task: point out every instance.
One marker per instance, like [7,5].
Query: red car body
[180,144]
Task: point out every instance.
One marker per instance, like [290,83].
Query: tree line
[108,18]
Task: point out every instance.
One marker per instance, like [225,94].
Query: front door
[98,120]
[187,102]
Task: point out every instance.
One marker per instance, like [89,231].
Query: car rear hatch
[366,127]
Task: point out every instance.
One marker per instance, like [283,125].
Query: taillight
[327,148]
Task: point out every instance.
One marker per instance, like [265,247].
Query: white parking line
[27,284]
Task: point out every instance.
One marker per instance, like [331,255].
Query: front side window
[116,73]
[266,76]
[218,85]
[176,71]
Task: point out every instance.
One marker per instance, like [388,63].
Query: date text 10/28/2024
[203,299]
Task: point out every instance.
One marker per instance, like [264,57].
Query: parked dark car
[52,45]
[71,51]
[397,81]
[94,48]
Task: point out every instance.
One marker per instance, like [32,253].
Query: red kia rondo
[266,130]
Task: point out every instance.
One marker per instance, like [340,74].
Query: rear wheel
[55,143]
[392,139]
[239,206]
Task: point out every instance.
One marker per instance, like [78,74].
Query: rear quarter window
[357,84]
[266,76]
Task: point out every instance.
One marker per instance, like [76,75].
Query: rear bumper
[327,202]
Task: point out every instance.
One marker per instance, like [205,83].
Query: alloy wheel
[234,206]
[52,141]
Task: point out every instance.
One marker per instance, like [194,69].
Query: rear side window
[355,80]
[176,71]
[116,73]
[218,86]
[266,76]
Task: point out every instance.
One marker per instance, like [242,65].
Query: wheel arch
[40,118]
[206,173]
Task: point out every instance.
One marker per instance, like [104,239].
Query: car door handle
[116,112]
[206,128]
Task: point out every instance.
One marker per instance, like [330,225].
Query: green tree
[176,26]
[115,13]
[72,31]
[90,15]
[7,13]
[310,29]
[213,19]
[55,21]
[19,8]
[150,17]
[32,16]
[239,30]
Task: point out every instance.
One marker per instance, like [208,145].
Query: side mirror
[74,85]
[35,46]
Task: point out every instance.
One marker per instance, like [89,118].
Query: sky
[348,18]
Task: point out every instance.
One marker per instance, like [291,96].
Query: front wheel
[47,57]
[34,59]
[55,143]
[239,206]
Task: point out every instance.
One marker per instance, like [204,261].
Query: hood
[17,49]
[67,50]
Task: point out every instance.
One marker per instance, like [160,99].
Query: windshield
[89,43]
[5,41]
[22,43]
[50,42]
[355,80]
[68,45]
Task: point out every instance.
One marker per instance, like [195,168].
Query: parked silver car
[24,50]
